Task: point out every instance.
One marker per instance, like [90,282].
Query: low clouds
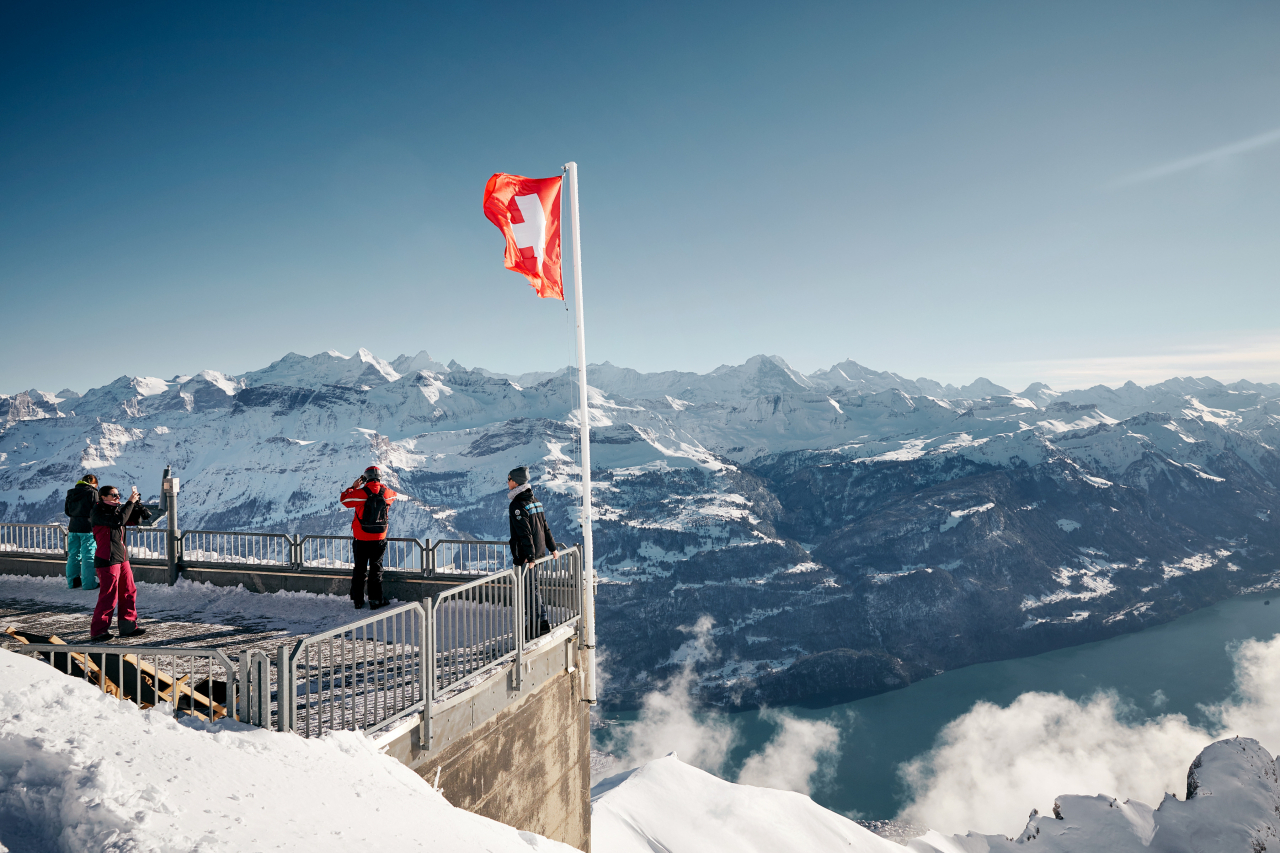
[670,721]
[667,721]
[797,753]
[990,767]
[1255,357]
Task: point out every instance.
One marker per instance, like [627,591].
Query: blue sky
[1071,193]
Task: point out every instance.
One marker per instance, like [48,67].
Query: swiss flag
[527,211]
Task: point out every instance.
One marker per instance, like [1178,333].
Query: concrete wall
[518,756]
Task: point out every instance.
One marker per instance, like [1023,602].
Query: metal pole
[588,567]
[169,489]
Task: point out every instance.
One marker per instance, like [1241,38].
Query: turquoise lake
[1188,660]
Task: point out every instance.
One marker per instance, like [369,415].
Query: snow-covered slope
[1232,803]
[883,509]
[83,771]
[670,806]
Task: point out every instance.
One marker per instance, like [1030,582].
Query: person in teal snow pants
[80,542]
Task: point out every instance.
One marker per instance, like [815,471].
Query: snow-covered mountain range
[849,530]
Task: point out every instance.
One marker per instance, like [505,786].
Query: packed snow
[191,601]
[82,771]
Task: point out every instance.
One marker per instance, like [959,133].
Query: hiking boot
[74,583]
[359,605]
[101,638]
[379,604]
[544,627]
[131,629]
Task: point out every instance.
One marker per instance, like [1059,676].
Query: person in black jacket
[80,544]
[111,560]
[531,538]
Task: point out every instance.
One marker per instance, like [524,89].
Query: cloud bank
[797,753]
[991,766]
[670,721]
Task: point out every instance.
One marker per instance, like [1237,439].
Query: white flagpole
[588,564]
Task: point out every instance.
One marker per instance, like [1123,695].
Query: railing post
[428,561]
[519,628]
[424,734]
[286,691]
[169,489]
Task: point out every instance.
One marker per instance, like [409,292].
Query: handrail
[124,672]
[476,628]
[469,556]
[212,548]
[482,625]
[216,547]
[327,551]
[369,674]
[41,539]
[364,675]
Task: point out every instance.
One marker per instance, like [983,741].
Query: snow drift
[83,771]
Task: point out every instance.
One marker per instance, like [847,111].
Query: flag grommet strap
[527,212]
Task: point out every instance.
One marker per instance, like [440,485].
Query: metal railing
[196,682]
[42,539]
[469,556]
[556,586]
[335,552]
[476,628]
[146,544]
[218,547]
[365,675]
[213,548]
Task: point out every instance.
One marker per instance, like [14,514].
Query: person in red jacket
[116,589]
[371,500]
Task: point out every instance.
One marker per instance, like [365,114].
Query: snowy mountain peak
[406,364]
[983,387]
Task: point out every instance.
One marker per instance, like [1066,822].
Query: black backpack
[374,517]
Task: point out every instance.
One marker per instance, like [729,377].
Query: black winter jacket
[530,536]
[79,506]
[109,522]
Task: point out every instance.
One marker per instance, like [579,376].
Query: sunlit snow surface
[80,771]
[668,806]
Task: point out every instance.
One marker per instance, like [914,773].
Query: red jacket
[355,498]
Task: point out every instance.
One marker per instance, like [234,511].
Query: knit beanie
[519,475]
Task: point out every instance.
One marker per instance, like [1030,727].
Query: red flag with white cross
[527,212]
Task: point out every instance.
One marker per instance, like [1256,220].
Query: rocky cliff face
[848,533]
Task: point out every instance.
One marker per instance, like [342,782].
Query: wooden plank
[167,695]
[162,683]
[183,689]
